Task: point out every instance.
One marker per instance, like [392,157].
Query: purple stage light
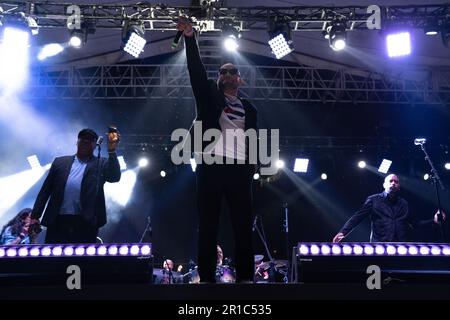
[57,251]
[2,252]
[12,252]
[412,250]
[23,252]
[102,250]
[380,250]
[435,250]
[446,251]
[315,249]
[390,250]
[112,251]
[402,250]
[358,250]
[90,251]
[123,250]
[346,249]
[34,252]
[336,250]
[369,250]
[424,250]
[145,250]
[68,251]
[325,249]
[134,250]
[46,251]
[303,250]
[79,251]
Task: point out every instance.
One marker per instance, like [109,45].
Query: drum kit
[265,272]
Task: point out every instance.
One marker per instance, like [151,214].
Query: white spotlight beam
[13,187]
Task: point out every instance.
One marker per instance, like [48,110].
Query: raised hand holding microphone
[184,26]
[113,138]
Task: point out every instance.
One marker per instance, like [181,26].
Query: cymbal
[276,263]
[258,258]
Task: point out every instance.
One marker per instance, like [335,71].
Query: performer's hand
[186,26]
[436,217]
[113,141]
[338,237]
[25,229]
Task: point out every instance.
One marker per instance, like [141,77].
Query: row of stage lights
[280,41]
[300,166]
[79,250]
[382,249]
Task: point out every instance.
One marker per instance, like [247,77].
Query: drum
[225,274]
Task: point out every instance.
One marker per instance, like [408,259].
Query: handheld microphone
[99,140]
[419,141]
[176,40]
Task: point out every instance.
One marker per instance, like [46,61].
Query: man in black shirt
[391,221]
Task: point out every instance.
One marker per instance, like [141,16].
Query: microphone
[419,141]
[176,40]
[254,222]
[99,140]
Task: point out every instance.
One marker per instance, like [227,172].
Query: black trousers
[70,229]
[234,182]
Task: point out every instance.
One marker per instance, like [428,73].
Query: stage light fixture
[280,38]
[384,166]
[398,44]
[133,39]
[336,35]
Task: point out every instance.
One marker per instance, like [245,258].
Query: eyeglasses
[230,71]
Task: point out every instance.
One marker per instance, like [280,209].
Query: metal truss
[266,83]
[213,16]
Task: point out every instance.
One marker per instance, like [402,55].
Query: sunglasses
[230,71]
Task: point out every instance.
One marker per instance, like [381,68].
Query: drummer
[219,256]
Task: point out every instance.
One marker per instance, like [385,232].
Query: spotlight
[256,176]
[122,163]
[280,41]
[231,35]
[426,176]
[193,164]
[133,39]
[279,164]
[384,166]
[143,162]
[362,164]
[76,38]
[50,50]
[324,176]
[162,173]
[230,43]
[301,165]
[14,56]
[447,166]
[337,36]
[34,162]
[398,44]
[432,27]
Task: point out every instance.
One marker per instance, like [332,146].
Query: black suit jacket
[92,208]
[390,220]
[210,101]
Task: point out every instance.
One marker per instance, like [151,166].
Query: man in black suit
[219,107]
[391,220]
[74,185]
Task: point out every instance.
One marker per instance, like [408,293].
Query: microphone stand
[148,228]
[97,186]
[436,181]
[286,230]
[262,236]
